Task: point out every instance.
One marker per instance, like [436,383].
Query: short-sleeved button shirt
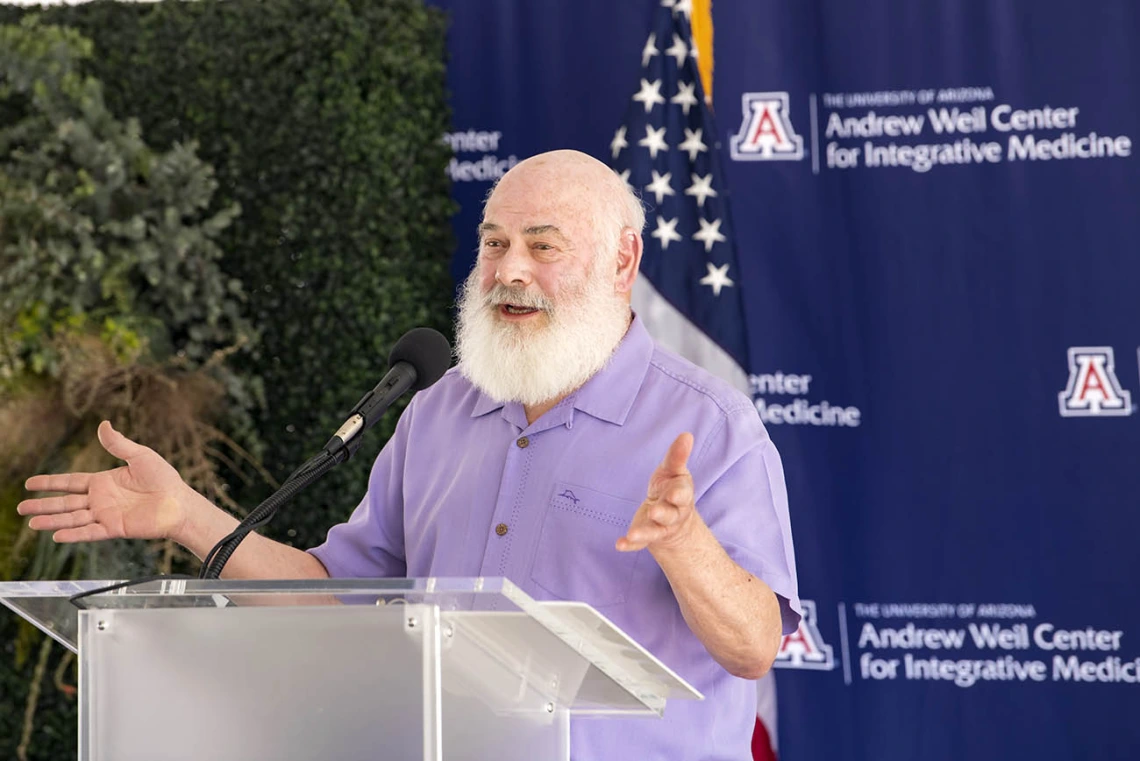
[466,487]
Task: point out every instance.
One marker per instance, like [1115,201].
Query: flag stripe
[673,330]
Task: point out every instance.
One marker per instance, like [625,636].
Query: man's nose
[514,268]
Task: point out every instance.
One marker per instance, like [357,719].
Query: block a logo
[766,132]
[804,648]
[1093,389]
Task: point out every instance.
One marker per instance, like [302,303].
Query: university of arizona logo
[804,648]
[1093,388]
[766,132]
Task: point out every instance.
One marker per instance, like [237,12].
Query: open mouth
[517,310]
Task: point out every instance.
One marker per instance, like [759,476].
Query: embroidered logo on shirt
[569,495]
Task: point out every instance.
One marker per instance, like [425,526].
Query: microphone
[418,359]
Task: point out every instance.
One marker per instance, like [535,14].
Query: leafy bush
[322,120]
[112,305]
[97,231]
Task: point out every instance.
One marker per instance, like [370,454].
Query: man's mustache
[502,294]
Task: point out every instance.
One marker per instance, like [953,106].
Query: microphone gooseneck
[418,359]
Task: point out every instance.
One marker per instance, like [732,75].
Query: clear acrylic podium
[341,670]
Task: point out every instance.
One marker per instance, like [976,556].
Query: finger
[675,490]
[677,458]
[647,534]
[625,545]
[664,514]
[49,505]
[118,444]
[632,543]
[92,532]
[61,521]
[76,483]
[681,493]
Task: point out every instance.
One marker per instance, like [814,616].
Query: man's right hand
[145,499]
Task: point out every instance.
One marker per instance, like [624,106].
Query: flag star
[660,186]
[624,174]
[701,188]
[654,140]
[683,6]
[717,278]
[666,231]
[709,234]
[693,52]
[679,50]
[618,142]
[667,3]
[686,96]
[650,94]
[649,50]
[693,143]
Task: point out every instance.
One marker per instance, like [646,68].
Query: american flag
[689,293]
[667,150]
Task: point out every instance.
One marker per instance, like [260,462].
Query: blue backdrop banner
[936,232]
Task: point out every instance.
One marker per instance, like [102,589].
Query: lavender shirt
[466,488]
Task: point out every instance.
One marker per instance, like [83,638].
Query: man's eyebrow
[491,227]
[543,230]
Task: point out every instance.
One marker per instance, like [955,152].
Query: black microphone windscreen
[427,351]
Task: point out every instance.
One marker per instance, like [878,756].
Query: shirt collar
[609,394]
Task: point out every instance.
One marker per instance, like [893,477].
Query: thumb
[677,458]
[117,444]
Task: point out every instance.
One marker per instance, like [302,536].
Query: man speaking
[566,452]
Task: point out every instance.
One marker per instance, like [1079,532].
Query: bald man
[566,452]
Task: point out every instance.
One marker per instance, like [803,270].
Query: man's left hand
[668,515]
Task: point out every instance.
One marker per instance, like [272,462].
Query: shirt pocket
[575,558]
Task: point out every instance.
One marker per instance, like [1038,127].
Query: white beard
[536,363]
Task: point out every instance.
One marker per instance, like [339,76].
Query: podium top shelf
[487,608]
[52,605]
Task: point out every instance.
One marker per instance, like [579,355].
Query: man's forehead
[536,215]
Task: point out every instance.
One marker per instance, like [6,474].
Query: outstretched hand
[140,500]
[668,514]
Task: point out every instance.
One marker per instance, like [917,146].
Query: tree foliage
[98,232]
[112,305]
[322,121]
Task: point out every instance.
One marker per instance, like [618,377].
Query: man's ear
[628,260]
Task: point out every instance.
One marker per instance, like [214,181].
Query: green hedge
[323,119]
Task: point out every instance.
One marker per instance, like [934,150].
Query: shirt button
[501,529]
[523,443]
